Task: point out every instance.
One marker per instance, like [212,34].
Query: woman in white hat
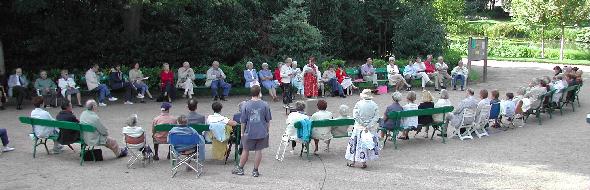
[363,145]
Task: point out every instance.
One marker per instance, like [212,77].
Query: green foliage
[419,33]
[507,30]
[379,63]
[452,57]
[583,36]
[332,62]
[292,35]
[450,13]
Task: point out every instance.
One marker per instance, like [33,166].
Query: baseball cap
[166,106]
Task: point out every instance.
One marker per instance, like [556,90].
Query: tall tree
[568,13]
[533,12]
[292,35]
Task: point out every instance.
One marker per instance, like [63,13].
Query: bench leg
[394,137]
[82,152]
[443,132]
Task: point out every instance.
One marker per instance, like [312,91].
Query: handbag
[88,156]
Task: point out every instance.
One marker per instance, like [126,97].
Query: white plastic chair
[468,114]
[481,121]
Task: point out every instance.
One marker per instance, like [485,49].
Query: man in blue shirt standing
[255,120]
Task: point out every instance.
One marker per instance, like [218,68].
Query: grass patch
[539,60]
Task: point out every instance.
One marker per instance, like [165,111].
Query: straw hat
[366,94]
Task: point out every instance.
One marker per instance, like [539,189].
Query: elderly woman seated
[443,101]
[322,133]
[344,112]
[186,77]
[389,124]
[294,117]
[409,123]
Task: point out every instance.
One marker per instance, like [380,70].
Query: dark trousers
[19,93]
[49,97]
[287,93]
[170,90]
[4,136]
[128,90]
[336,87]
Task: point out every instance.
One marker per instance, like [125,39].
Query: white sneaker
[140,96]
[102,104]
[293,152]
[112,99]
[128,103]
[7,149]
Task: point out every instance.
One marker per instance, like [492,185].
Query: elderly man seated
[46,88]
[459,73]
[368,71]
[469,102]
[17,87]
[216,80]
[100,137]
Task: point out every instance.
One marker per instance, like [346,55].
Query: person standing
[46,88]
[93,84]
[286,75]
[186,77]
[216,80]
[311,74]
[5,141]
[363,145]
[68,87]
[255,119]
[17,87]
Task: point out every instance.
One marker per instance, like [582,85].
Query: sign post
[477,50]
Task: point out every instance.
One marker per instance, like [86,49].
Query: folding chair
[285,141]
[189,158]
[483,119]
[138,150]
[467,114]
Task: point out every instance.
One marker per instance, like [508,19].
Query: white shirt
[410,121]
[42,131]
[441,66]
[18,80]
[133,131]
[392,70]
[293,118]
[420,67]
[64,84]
[286,72]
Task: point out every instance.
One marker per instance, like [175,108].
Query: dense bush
[507,30]
[583,35]
[379,63]
[43,34]
[332,62]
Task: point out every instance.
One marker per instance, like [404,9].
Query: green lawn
[539,60]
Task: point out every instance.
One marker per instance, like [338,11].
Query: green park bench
[323,123]
[563,101]
[61,125]
[399,115]
[200,128]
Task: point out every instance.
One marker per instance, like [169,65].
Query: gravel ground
[554,155]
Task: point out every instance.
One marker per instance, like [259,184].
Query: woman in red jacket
[167,84]
[341,76]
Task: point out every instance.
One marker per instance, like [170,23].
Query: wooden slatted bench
[61,125]
[323,123]
[399,115]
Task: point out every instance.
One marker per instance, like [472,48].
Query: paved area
[554,155]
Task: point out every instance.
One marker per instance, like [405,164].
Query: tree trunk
[2,63]
[543,42]
[562,43]
[131,18]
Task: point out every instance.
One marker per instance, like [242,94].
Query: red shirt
[340,75]
[429,67]
[278,75]
[166,77]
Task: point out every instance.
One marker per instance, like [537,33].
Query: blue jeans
[141,88]
[220,84]
[336,86]
[4,136]
[458,78]
[103,92]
